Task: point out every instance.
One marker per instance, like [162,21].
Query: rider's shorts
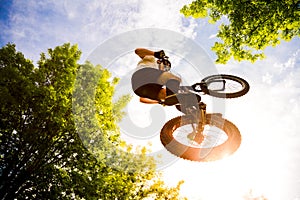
[145,82]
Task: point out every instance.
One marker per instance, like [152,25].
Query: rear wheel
[224,86]
[218,139]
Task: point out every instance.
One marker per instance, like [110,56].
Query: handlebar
[166,63]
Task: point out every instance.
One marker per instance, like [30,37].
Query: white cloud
[267,78]
[37,26]
[164,14]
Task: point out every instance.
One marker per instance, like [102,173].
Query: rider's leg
[162,94]
[150,91]
[165,76]
[188,100]
[154,100]
[184,99]
[171,81]
[141,52]
[172,87]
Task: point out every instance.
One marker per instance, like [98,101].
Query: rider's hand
[164,65]
[159,54]
[167,63]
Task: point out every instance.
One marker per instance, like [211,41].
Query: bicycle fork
[198,116]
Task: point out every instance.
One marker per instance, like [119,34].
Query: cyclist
[153,84]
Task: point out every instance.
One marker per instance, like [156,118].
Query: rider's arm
[141,52]
[148,101]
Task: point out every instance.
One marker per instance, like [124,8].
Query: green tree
[253,25]
[48,119]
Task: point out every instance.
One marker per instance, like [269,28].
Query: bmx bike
[200,136]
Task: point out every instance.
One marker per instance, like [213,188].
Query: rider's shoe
[182,98]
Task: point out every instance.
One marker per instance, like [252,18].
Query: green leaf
[253,25]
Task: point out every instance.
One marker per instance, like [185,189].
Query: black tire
[244,86]
[199,154]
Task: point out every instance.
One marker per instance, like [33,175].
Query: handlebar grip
[159,54]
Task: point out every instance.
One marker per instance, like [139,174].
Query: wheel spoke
[230,87]
[213,136]
[234,86]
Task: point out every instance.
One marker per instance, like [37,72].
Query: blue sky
[268,160]
[4,16]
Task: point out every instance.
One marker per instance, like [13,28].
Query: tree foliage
[253,25]
[48,119]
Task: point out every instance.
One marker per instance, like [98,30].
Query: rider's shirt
[147,62]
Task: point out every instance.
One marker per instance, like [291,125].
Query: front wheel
[220,138]
[224,86]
